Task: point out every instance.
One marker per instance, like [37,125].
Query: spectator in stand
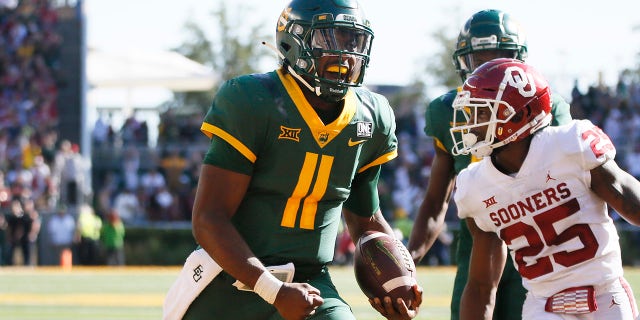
[88,228]
[41,183]
[28,88]
[163,206]
[61,229]
[49,149]
[128,206]
[4,139]
[70,172]
[112,236]
[102,132]
[30,150]
[173,165]
[106,192]
[152,181]
[614,125]
[30,210]
[188,185]
[128,131]
[142,134]
[130,167]
[3,237]
[5,195]
[19,233]
[14,155]
[17,186]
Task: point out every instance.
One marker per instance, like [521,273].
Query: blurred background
[101,104]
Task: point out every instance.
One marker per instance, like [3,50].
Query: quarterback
[542,192]
[488,34]
[291,150]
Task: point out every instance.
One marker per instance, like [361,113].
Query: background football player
[542,192]
[486,35]
[289,150]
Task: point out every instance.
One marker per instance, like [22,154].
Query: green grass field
[134,293]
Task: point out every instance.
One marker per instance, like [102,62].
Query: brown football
[383,267]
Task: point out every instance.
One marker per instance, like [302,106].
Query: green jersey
[302,169]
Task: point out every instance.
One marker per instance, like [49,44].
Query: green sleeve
[384,143]
[235,145]
[222,154]
[438,117]
[363,199]
[560,110]
[438,122]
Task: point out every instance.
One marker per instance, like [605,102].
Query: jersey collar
[323,134]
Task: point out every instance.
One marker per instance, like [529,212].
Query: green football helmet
[488,30]
[325,42]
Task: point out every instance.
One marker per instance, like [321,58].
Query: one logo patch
[364,129]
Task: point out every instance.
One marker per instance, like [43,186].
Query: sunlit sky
[568,39]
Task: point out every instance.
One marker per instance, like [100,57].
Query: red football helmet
[517,96]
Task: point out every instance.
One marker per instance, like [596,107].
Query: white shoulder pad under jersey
[559,232]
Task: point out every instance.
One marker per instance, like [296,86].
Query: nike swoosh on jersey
[352,143]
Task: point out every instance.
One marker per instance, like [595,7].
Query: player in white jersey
[545,196]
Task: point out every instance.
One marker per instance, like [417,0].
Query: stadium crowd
[41,174]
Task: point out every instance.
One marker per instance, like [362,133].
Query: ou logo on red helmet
[517,78]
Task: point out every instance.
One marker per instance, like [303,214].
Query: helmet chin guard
[478,150]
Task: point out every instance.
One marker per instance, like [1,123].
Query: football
[383,267]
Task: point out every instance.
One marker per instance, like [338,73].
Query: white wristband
[267,287]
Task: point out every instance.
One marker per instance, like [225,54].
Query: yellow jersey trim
[384,158]
[440,145]
[210,130]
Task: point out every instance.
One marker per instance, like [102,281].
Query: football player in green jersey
[486,35]
[290,149]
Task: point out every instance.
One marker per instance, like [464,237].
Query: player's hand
[296,301]
[398,310]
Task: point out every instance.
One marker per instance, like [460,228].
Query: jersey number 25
[550,237]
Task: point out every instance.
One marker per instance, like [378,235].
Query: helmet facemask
[515,98]
[340,56]
[488,30]
[500,111]
[467,63]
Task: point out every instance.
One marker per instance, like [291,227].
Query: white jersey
[558,230]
